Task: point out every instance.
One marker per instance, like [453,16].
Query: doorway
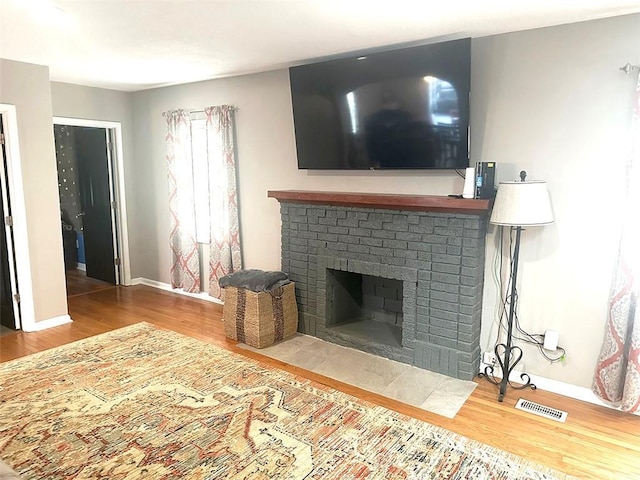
[9,306]
[88,155]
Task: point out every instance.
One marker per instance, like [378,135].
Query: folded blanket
[255,280]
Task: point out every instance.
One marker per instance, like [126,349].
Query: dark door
[6,296]
[6,300]
[93,178]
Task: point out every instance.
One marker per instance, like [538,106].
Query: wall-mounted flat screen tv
[399,109]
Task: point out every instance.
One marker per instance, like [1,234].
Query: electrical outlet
[489,358]
[551,339]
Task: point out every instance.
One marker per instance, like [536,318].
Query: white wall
[550,101]
[26,86]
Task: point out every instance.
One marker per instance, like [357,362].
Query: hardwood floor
[78,283]
[594,443]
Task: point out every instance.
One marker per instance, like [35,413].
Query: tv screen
[399,109]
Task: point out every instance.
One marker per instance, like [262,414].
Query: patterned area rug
[141,402]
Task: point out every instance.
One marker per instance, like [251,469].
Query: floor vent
[543,411]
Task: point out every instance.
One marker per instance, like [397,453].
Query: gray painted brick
[299,249]
[471,329]
[395,227]
[413,237]
[442,341]
[442,332]
[435,239]
[338,230]
[472,261]
[473,223]
[444,315]
[318,228]
[379,251]
[439,249]
[383,234]
[395,261]
[423,229]
[370,224]
[381,216]
[407,254]
[395,244]
[348,222]
[446,278]
[348,239]
[419,246]
[472,242]
[471,291]
[360,232]
[447,297]
[372,242]
[422,302]
[471,271]
[299,256]
[448,231]
[454,241]
[328,237]
[445,287]
[446,268]
[358,248]
[447,306]
[424,275]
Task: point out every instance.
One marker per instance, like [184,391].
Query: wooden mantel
[422,203]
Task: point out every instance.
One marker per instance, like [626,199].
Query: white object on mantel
[469,183]
[522,204]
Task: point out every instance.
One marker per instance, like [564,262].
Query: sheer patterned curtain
[225,254]
[617,379]
[185,262]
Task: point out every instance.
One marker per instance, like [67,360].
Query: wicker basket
[260,318]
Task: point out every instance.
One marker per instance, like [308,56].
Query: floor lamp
[517,205]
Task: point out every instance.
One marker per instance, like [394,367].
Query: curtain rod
[628,68]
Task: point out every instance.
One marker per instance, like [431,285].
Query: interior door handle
[80,214]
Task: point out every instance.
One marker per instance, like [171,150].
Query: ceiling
[139,44]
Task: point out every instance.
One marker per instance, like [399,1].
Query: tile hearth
[421,388]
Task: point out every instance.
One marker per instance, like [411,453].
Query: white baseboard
[81,266]
[167,287]
[47,323]
[554,386]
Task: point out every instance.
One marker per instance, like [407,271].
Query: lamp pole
[508,355]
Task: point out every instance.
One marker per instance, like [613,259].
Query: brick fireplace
[400,276]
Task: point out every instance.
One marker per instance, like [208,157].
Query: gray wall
[89,103]
[553,102]
[27,87]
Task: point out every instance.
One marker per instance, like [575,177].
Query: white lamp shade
[522,204]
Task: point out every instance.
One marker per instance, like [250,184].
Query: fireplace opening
[365,306]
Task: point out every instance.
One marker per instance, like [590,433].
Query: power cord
[536,339]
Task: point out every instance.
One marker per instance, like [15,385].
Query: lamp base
[507,362]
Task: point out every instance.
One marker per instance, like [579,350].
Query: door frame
[116,173]
[24,316]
